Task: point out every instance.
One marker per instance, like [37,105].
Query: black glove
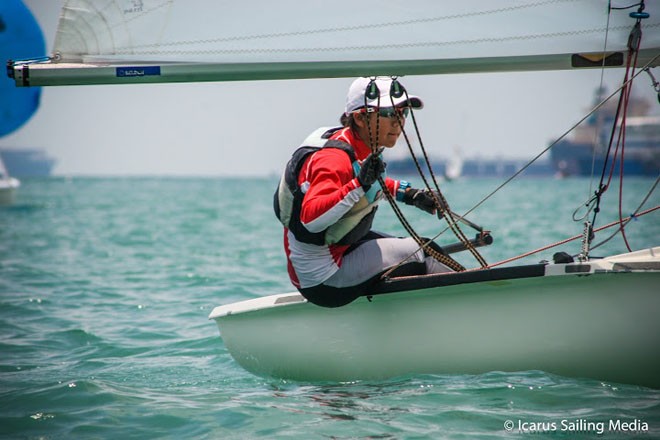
[372,167]
[423,199]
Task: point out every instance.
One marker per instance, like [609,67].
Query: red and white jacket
[331,191]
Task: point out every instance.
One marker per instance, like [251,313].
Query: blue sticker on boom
[138,71]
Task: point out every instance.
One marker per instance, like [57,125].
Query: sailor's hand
[424,199]
[372,167]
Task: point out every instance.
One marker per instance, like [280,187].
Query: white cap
[355,97]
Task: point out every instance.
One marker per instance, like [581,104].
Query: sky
[250,128]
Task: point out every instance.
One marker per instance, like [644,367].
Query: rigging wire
[549,147]
[600,89]
[656,84]
[534,159]
[634,44]
[620,8]
[575,237]
[624,92]
[633,216]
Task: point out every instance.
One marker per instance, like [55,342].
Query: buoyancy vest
[287,201]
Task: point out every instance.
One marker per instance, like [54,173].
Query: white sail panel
[142,41]
[294,31]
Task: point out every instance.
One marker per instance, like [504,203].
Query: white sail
[454,165]
[201,40]
[8,185]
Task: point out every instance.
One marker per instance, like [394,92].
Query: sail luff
[59,74]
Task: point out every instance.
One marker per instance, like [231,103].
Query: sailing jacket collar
[347,135]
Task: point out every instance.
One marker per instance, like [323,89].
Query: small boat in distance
[454,166]
[8,185]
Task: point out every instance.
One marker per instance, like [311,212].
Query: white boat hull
[8,187]
[596,320]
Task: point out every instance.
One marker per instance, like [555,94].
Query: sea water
[106,285]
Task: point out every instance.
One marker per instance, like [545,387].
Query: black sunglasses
[388,112]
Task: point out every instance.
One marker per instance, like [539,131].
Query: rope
[441,205]
[423,244]
[566,133]
[633,216]
[575,237]
[600,90]
[624,90]
[373,144]
[634,43]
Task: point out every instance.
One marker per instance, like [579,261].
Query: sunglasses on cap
[388,112]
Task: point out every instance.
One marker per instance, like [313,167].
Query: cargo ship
[27,163]
[586,150]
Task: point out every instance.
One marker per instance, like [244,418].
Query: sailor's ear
[360,119]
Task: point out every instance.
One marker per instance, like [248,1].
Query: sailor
[328,196]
